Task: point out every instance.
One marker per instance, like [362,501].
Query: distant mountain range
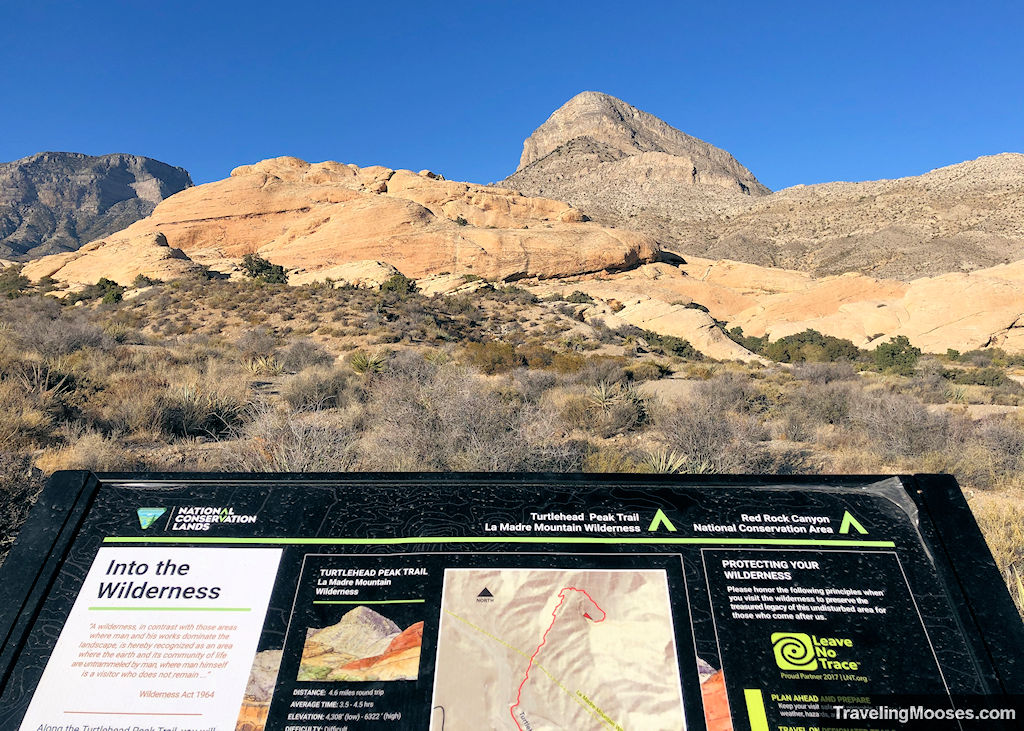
[57,201]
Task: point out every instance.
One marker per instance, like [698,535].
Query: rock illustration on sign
[556,648]
[259,691]
[362,646]
[716,702]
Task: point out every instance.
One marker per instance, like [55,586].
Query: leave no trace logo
[794,651]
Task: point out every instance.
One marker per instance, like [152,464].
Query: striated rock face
[316,217]
[363,645]
[958,218]
[627,168]
[958,310]
[57,201]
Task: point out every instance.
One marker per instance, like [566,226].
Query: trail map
[544,649]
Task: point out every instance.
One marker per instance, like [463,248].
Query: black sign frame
[986,613]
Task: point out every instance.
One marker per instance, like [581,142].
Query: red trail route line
[544,638]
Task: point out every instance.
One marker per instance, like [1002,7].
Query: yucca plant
[667,462]
[605,395]
[264,365]
[365,364]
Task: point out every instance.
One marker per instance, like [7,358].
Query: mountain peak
[624,131]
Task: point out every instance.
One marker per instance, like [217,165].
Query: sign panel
[518,602]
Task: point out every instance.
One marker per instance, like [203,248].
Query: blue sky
[799,92]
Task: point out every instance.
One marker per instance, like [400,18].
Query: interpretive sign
[463,602]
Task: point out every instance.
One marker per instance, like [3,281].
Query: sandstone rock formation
[316,217]
[118,258]
[57,201]
[960,310]
[628,168]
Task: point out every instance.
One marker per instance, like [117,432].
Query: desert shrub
[423,416]
[704,432]
[275,441]
[20,484]
[671,345]
[811,345]
[40,325]
[24,418]
[567,362]
[897,356]
[12,282]
[822,373]
[646,370]
[579,298]
[192,410]
[601,458]
[732,392]
[493,356]
[823,404]
[141,280]
[532,385]
[460,221]
[399,284]
[106,290]
[88,450]
[599,370]
[304,353]
[131,403]
[898,425]
[988,376]
[319,387]
[260,269]
[536,356]
[750,342]
[257,341]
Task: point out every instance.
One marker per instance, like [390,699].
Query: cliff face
[55,202]
[624,167]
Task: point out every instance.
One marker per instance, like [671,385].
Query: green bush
[897,356]
[258,268]
[579,298]
[106,290]
[12,282]
[811,345]
[671,345]
[751,343]
[399,284]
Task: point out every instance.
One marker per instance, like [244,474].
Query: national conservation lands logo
[799,652]
[195,517]
[148,516]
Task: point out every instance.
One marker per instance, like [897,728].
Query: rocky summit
[625,167]
[57,201]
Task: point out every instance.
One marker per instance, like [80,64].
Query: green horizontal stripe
[413,540]
[170,609]
[379,601]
